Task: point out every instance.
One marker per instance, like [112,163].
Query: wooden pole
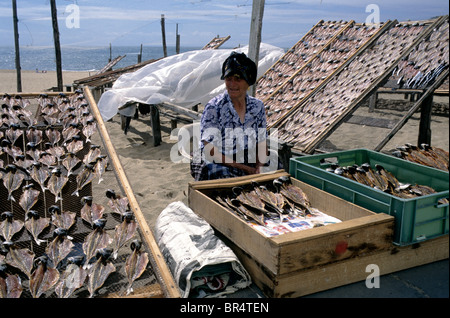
[163,30]
[177,41]
[57,45]
[255,34]
[16,44]
[425,121]
[140,55]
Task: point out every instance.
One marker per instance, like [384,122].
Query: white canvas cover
[184,79]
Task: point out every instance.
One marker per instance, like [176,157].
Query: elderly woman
[233,126]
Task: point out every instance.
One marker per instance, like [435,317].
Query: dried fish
[135,264]
[19,258]
[34,135]
[91,212]
[89,129]
[293,193]
[9,227]
[40,174]
[13,133]
[92,155]
[117,203]
[56,183]
[100,270]
[53,135]
[62,219]
[35,225]
[75,144]
[70,162]
[124,232]
[29,197]
[84,178]
[72,278]
[43,277]
[12,180]
[10,285]
[95,240]
[59,247]
[100,167]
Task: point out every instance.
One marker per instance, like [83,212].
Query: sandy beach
[157,181]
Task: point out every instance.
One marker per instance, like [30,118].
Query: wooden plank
[149,291]
[371,121]
[159,265]
[181,110]
[309,281]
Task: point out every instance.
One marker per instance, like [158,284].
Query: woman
[233,126]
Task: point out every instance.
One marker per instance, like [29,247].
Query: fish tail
[76,193]
[100,180]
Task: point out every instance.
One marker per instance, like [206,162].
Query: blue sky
[135,22]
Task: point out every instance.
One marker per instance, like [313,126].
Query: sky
[98,23]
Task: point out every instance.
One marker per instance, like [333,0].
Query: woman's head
[239,64]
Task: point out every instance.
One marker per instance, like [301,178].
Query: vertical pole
[16,44]
[140,55]
[57,45]
[255,34]
[110,53]
[163,30]
[425,121]
[177,41]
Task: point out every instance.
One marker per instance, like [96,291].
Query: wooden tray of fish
[313,118]
[360,230]
[66,230]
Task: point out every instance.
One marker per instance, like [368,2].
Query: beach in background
[157,181]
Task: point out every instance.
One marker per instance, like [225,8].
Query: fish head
[33,214]
[54,209]
[76,260]
[60,232]
[104,253]
[99,224]
[87,200]
[111,194]
[135,245]
[7,215]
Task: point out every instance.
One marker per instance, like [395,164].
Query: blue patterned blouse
[221,126]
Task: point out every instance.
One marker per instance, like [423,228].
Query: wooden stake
[255,34]
[16,44]
[57,45]
[163,30]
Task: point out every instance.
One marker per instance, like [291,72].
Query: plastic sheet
[184,79]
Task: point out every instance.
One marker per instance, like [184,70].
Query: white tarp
[184,79]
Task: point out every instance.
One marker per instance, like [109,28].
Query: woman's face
[237,87]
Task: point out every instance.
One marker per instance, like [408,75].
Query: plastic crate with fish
[67,229]
[417,196]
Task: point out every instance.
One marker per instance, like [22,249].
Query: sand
[157,181]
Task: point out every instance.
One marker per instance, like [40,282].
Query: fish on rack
[135,264]
[95,240]
[35,225]
[62,219]
[91,212]
[100,167]
[43,277]
[100,270]
[75,144]
[72,278]
[8,226]
[89,129]
[70,162]
[40,174]
[20,258]
[117,203]
[56,183]
[34,135]
[124,232]
[12,180]
[59,247]
[53,135]
[10,284]
[84,178]
[92,155]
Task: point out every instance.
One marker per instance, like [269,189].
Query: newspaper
[290,223]
[202,265]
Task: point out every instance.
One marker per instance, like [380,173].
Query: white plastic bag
[184,79]
[202,265]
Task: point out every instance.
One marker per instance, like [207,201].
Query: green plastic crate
[416,219]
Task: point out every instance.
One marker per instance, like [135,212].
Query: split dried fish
[29,197]
[100,167]
[56,183]
[10,285]
[59,247]
[100,270]
[62,219]
[43,278]
[84,178]
[95,240]
[40,174]
[135,264]
[9,227]
[124,232]
[72,278]
[75,144]
[89,129]
[35,225]
[92,155]
[19,258]
[91,212]
[70,162]
[12,180]
[53,135]
[117,203]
